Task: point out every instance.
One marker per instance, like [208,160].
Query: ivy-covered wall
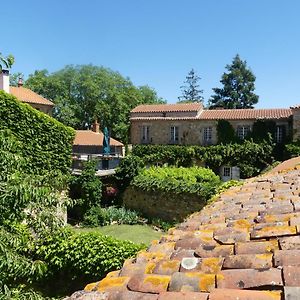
[47,142]
[249,156]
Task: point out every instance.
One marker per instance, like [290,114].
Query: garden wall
[167,206]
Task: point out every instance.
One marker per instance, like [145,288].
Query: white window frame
[279,134]
[243,131]
[207,134]
[174,132]
[227,172]
[145,133]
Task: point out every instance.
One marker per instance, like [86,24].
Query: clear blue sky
[156,42]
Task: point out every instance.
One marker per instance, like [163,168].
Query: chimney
[4,80]
[20,82]
[96,126]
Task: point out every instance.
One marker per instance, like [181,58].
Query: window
[145,134]
[207,135]
[174,134]
[279,134]
[227,172]
[243,131]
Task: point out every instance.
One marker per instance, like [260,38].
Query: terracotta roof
[297,106]
[28,96]
[167,107]
[244,114]
[91,138]
[245,245]
[162,118]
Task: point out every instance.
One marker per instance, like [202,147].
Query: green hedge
[195,180]
[75,259]
[249,156]
[47,142]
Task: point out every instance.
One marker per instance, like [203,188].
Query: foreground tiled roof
[168,107]
[244,246]
[243,114]
[28,96]
[91,138]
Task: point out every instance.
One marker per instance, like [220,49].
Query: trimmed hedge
[75,259]
[199,181]
[47,142]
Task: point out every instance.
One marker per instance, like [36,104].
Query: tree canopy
[6,61]
[238,87]
[191,91]
[84,93]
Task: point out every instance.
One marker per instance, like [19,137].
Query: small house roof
[28,96]
[91,138]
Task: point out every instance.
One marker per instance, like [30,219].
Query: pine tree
[238,87]
[191,91]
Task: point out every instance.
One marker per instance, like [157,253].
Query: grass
[135,233]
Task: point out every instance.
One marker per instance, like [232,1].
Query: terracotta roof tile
[251,268]
[214,114]
[91,138]
[244,114]
[167,107]
[28,96]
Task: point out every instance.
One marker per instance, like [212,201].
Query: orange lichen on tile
[211,265]
[111,283]
[150,266]
[91,286]
[242,224]
[151,256]
[207,282]
[158,280]
[113,274]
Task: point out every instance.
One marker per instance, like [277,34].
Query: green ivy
[225,132]
[47,143]
[249,156]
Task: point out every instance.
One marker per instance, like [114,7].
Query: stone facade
[47,109]
[296,123]
[190,132]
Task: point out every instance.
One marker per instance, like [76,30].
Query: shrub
[82,257]
[128,168]
[293,149]
[98,216]
[180,156]
[46,143]
[86,188]
[195,180]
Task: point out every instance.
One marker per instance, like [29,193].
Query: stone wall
[167,206]
[191,132]
[296,124]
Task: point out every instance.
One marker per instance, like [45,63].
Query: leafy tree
[14,78]
[6,62]
[238,87]
[86,92]
[191,91]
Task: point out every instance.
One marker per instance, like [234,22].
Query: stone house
[191,124]
[24,94]
[88,144]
